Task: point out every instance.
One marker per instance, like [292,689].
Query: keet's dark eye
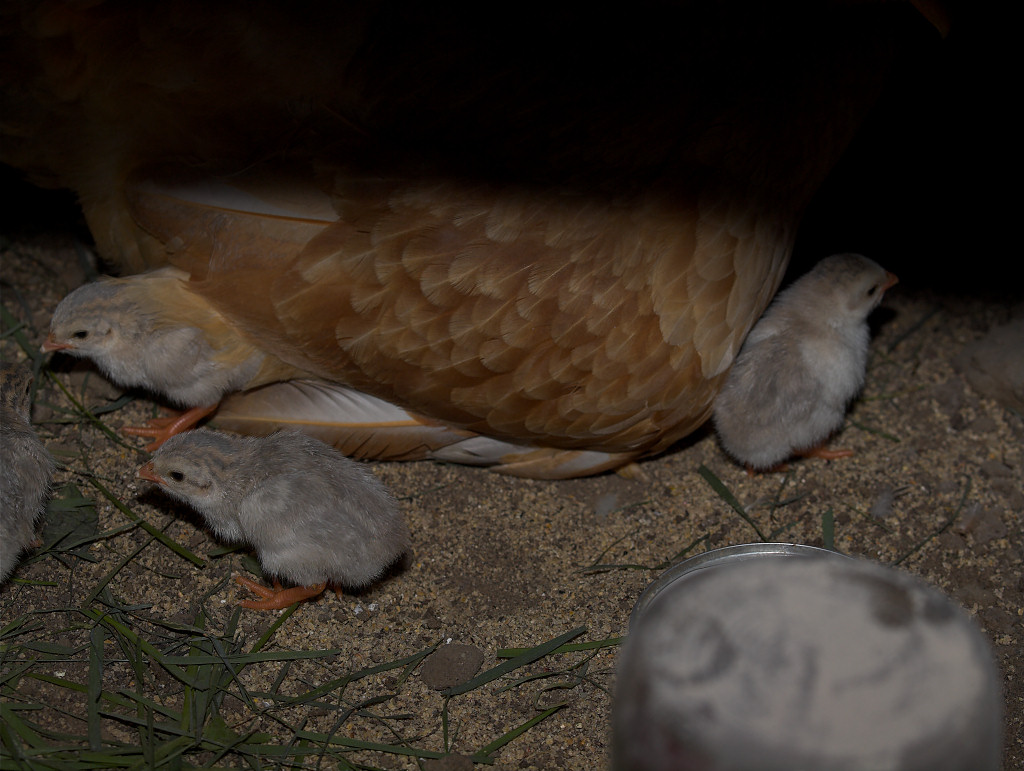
[81,334]
[177,476]
[872,290]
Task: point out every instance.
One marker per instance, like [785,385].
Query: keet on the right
[801,364]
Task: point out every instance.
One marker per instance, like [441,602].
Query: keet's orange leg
[162,429]
[814,452]
[825,454]
[278,597]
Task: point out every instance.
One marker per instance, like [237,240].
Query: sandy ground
[936,486]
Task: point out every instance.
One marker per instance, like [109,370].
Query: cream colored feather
[362,426]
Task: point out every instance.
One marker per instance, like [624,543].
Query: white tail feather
[364,426]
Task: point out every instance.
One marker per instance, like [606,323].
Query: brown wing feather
[542,335]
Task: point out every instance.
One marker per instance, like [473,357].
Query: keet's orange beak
[147,472]
[890,280]
[49,344]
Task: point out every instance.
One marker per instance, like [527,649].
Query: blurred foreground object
[761,660]
[994,364]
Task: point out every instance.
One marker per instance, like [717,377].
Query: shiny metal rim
[723,556]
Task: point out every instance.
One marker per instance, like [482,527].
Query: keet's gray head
[852,284]
[93,319]
[195,467]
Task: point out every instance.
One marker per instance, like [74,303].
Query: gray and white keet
[313,516]
[801,364]
[25,467]
[149,331]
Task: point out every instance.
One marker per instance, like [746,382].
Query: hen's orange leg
[162,429]
[278,597]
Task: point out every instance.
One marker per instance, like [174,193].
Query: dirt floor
[936,486]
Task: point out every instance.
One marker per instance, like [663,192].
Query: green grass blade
[726,495]
[86,413]
[159,535]
[942,528]
[828,530]
[608,642]
[526,657]
[119,628]
[232,659]
[95,688]
[114,571]
[322,690]
[483,755]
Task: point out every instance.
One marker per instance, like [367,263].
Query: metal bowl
[797,657]
[716,558]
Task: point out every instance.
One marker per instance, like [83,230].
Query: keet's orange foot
[815,452]
[162,429]
[278,597]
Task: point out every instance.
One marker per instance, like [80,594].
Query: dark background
[928,187]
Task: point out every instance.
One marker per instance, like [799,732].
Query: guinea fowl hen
[536,245]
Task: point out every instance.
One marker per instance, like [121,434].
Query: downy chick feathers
[802,363]
[311,514]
